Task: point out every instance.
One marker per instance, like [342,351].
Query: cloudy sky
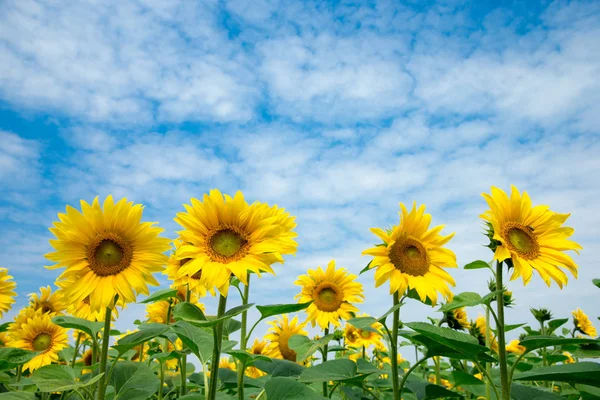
[334,111]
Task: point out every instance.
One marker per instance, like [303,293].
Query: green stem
[19,372]
[76,349]
[410,370]
[501,339]
[205,376]
[243,342]
[325,350]
[394,348]
[216,355]
[488,339]
[162,380]
[438,373]
[183,367]
[488,377]
[514,366]
[333,388]
[104,354]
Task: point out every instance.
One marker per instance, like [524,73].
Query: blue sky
[335,111]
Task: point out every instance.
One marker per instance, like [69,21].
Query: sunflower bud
[489,232]
[542,314]
[456,319]
[507,295]
[338,335]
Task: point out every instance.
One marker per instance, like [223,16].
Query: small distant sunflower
[478,329]
[533,238]
[412,256]
[106,250]
[7,291]
[41,335]
[48,302]
[225,236]
[226,363]
[331,292]
[457,319]
[258,348]
[173,363]
[279,334]
[157,311]
[583,323]
[515,347]
[570,359]
[87,360]
[138,356]
[360,337]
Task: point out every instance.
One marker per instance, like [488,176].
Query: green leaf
[334,370]
[555,324]
[58,378]
[194,396]
[245,357]
[425,390]
[10,358]
[17,396]
[160,295]
[279,367]
[365,269]
[196,339]
[462,378]
[388,312]
[537,342]
[464,299]
[288,389]
[134,381]
[522,392]
[188,312]
[365,367]
[587,373]
[364,323]
[4,326]
[479,264]
[596,282]
[89,327]
[231,326]
[305,347]
[278,309]
[227,315]
[150,331]
[465,345]
[509,328]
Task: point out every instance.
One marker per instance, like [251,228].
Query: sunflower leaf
[388,312]
[334,370]
[160,295]
[196,339]
[17,396]
[464,299]
[305,347]
[364,323]
[479,264]
[134,339]
[555,324]
[58,378]
[11,358]
[587,373]
[245,357]
[596,282]
[4,326]
[289,389]
[278,309]
[365,269]
[89,327]
[276,367]
[537,342]
[425,390]
[188,312]
[522,392]
[134,381]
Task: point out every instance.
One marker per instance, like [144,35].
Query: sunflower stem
[438,372]
[405,377]
[218,338]
[501,339]
[394,347]
[165,350]
[77,342]
[104,354]
[19,372]
[183,360]
[325,349]
[488,366]
[243,342]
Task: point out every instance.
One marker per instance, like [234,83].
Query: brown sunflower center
[365,334]
[284,349]
[328,297]
[521,239]
[409,256]
[109,254]
[226,245]
[46,307]
[87,358]
[42,341]
[197,275]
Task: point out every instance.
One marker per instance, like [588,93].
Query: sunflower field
[63,345]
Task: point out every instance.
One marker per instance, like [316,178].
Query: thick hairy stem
[104,354]
[394,348]
[325,350]
[501,337]
[216,355]
[243,342]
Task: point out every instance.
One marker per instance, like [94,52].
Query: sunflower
[570,359]
[7,291]
[157,311]
[48,302]
[87,360]
[196,282]
[412,256]
[258,348]
[226,363]
[357,338]
[4,339]
[173,363]
[138,356]
[225,236]
[330,292]
[531,237]
[41,335]
[106,251]
[457,319]
[83,310]
[515,347]
[583,323]
[280,332]
[22,317]
[478,329]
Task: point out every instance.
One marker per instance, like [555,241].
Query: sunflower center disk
[521,239]
[227,245]
[365,334]
[109,255]
[409,256]
[46,307]
[42,342]
[328,297]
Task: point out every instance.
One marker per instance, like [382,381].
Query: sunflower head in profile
[7,291]
[457,319]
[479,329]
[225,236]
[412,256]
[331,291]
[227,363]
[48,302]
[583,323]
[279,334]
[570,359]
[258,348]
[106,251]
[529,238]
[515,347]
[41,335]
